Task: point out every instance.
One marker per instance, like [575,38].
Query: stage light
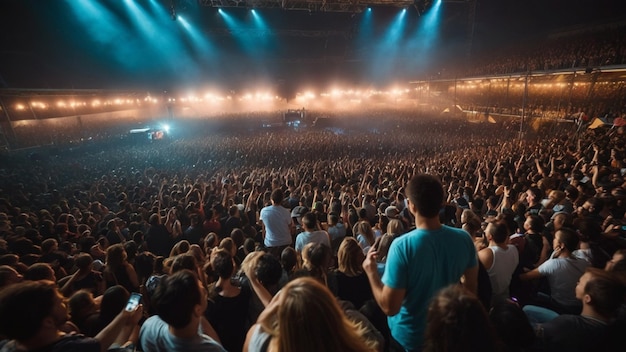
[166,128]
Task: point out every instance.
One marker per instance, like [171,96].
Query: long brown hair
[350,257]
[307,318]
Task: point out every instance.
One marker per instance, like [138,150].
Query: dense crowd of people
[577,49]
[295,240]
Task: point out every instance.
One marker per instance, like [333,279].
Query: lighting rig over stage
[354,6]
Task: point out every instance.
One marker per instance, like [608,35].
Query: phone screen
[133,301]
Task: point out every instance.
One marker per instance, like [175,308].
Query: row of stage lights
[258,97]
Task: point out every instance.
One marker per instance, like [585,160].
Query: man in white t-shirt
[277,224]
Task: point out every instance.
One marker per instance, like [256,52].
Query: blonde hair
[365,229]
[396,227]
[308,319]
[350,257]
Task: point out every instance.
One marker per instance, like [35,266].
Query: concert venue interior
[124,109]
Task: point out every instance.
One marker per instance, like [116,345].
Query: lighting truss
[354,6]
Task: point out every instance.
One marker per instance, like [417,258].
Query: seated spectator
[179,301]
[601,295]
[37,310]
[307,301]
[562,271]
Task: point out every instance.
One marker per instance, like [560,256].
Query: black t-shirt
[228,316]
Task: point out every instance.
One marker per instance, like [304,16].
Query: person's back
[419,264]
[446,253]
[311,233]
[500,260]
[276,221]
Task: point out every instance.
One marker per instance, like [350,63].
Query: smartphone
[133,301]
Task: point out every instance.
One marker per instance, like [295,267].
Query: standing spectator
[500,259]
[277,225]
[118,270]
[311,233]
[352,283]
[158,237]
[404,297]
[194,233]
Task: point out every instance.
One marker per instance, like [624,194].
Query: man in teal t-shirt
[419,264]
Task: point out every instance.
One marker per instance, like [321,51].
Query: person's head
[49,245]
[560,219]
[223,264]
[113,301]
[210,241]
[229,245]
[277,196]
[395,227]
[309,221]
[333,219]
[184,262]
[383,244]
[180,248]
[618,260]
[179,298]
[498,232]
[534,223]
[512,325]
[457,321]
[534,195]
[289,259]
[350,257]
[425,195]
[566,238]
[321,324]
[601,290]
[81,305]
[83,261]
[31,306]
[116,256]
[9,276]
[364,228]
[268,270]
[40,271]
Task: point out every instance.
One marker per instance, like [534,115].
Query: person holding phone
[32,313]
